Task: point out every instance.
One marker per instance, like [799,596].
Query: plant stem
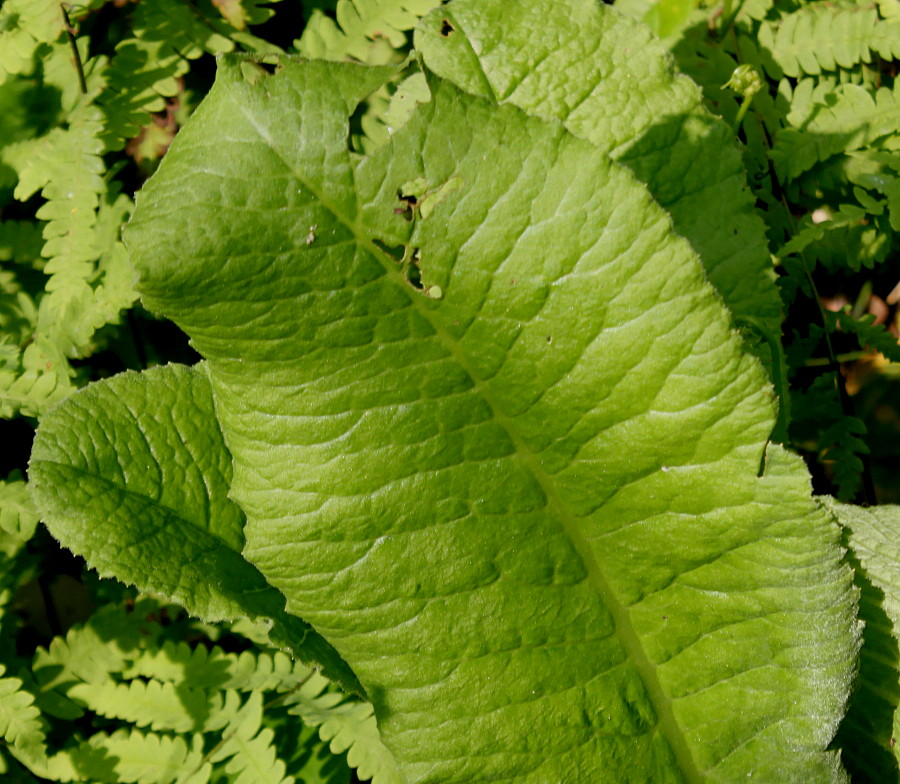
[745,105]
[847,407]
[850,356]
[76,56]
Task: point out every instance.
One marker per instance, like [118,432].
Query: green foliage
[239,715]
[183,498]
[474,439]
[667,138]
[868,733]
[76,135]
[483,437]
[817,38]
[821,140]
[369,31]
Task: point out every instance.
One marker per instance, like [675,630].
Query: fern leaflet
[20,721]
[17,515]
[161,706]
[819,37]
[870,335]
[135,756]
[370,31]
[854,119]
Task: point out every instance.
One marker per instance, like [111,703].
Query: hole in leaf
[394,251]
[446,28]
[413,273]
[407,207]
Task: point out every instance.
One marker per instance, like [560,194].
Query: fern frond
[370,31]
[212,668]
[18,517]
[33,380]
[885,40]
[179,663]
[182,28]
[347,726]
[65,165]
[870,335]
[20,721]
[849,239]
[839,448]
[25,25]
[269,672]
[135,756]
[140,76]
[105,644]
[167,35]
[820,37]
[161,706]
[883,181]
[249,750]
[352,729]
[854,119]
[254,760]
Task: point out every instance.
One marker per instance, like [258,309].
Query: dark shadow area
[16,436]
[286,26]
[141,341]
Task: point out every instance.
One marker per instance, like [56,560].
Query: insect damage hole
[447,29]
[396,252]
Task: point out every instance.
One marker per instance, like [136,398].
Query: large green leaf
[520,497]
[870,731]
[132,473]
[608,80]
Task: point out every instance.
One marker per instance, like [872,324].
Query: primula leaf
[504,458]
[133,474]
[868,734]
[608,81]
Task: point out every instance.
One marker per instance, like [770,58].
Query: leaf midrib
[667,724]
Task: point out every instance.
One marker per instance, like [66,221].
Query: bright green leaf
[527,514]
[139,488]
[609,81]
[868,735]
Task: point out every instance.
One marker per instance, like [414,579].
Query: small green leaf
[139,487]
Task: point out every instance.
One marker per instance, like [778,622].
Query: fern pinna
[123,698]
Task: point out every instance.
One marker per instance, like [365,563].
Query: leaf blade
[132,473]
[372,426]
